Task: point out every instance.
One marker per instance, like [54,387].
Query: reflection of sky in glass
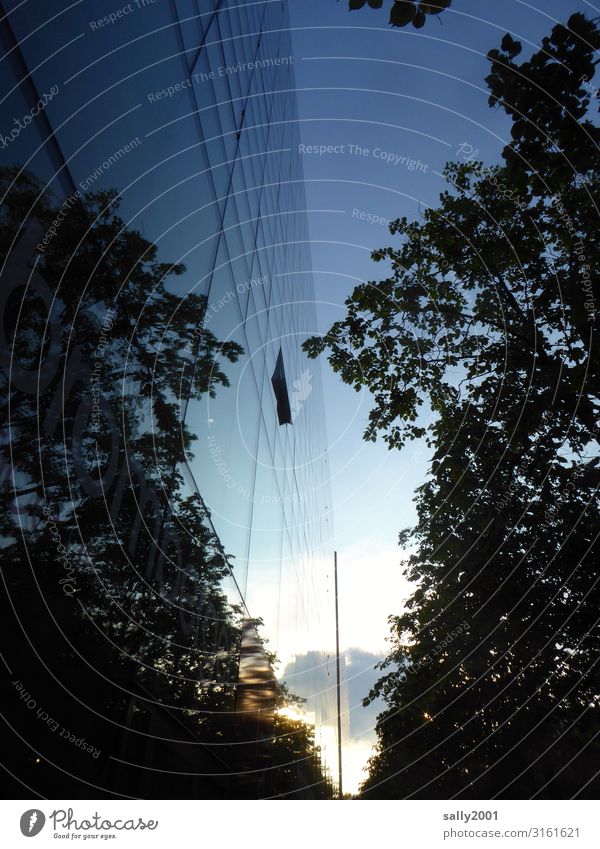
[231,208]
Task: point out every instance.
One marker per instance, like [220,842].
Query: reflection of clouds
[372,587]
[360,676]
[312,677]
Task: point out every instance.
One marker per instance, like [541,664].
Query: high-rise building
[165,438]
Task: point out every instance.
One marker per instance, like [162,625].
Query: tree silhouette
[481,342]
[298,771]
[404,12]
[114,574]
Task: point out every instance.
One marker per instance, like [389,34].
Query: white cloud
[371,588]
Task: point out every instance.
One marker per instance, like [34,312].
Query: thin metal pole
[339,690]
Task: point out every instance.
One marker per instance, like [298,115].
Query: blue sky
[393,106]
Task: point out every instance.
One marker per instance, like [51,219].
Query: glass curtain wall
[155,227]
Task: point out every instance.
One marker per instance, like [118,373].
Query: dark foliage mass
[481,341]
[113,571]
[404,12]
[119,596]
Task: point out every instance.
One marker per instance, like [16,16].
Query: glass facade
[169,530]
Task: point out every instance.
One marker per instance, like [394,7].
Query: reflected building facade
[156,222]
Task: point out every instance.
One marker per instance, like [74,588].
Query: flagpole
[339,692]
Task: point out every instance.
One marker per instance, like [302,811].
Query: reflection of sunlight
[355,754]
[296,714]
[328,743]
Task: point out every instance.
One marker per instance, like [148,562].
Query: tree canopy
[481,341]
